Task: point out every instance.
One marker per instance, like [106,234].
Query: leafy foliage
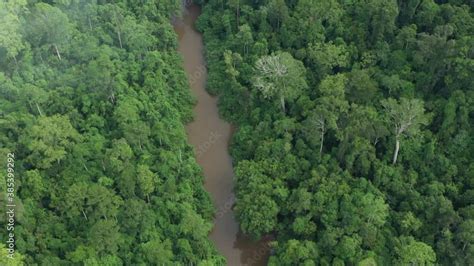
[93,103]
[319,171]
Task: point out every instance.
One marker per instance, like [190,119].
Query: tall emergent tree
[328,177]
[281,76]
[405,118]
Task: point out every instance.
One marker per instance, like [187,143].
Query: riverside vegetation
[93,102]
[355,122]
[353,144]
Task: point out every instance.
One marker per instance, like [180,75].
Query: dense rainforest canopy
[93,100]
[353,144]
[355,126]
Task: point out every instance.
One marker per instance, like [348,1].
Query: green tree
[260,218]
[348,248]
[330,106]
[296,252]
[235,4]
[245,38]
[158,252]
[34,184]
[327,56]
[35,97]
[412,252]
[49,26]
[50,139]
[104,237]
[119,155]
[278,12]
[16,260]
[10,37]
[465,235]
[146,179]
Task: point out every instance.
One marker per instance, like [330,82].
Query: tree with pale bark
[280,76]
[405,117]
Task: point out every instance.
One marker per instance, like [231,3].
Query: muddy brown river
[210,136]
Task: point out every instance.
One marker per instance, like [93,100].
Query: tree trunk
[16,62]
[120,39]
[41,57]
[57,51]
[238,14]
[85,167]
[282,102]
[31,106]
[416,9]
[38,108]
[395,153]
[322,141]
[376,141]
[85,216]
[90,23]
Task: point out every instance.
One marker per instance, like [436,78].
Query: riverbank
[210,135]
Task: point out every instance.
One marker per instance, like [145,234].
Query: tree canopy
[93,102]
[367,159]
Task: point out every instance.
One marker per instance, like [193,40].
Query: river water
[210,136]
